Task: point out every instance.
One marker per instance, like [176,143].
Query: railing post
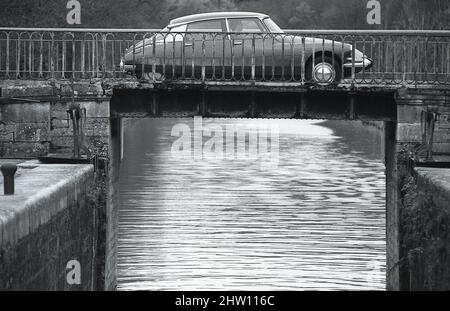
[448,62]
[263,60]
[94,51]
[243,60]
[7,56]
[164,56]
[103,56]
[18,57]
[52,56]
[41,56]
[8,170]
[154,57]
[404,67]
[30,58]
[223,57]
[174,36]
[82,65]
[292,60]
[143,55]
[303,71]
[63,59]
[282,57]
[183,56]
[253,59]
[203,58]
[213,64]
[193,59]
[232,58]
[113,56]
[73,56]
[353,61]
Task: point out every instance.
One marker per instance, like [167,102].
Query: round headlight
[122,65]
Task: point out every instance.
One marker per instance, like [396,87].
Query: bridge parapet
[400,58]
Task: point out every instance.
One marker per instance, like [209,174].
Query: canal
[313,219]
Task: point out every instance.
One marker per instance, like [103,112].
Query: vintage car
[240,46]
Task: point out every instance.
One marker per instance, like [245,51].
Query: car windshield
[272,26]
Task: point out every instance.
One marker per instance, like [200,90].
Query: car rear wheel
[325,71]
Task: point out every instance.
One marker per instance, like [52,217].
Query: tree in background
[417,14]
[94,13]
[305,14]
[351,14]
[177,8]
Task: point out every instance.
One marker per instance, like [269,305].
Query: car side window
[214,25]
[245,25]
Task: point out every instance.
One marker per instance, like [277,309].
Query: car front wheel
[325,71]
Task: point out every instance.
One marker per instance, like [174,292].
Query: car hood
[157,38]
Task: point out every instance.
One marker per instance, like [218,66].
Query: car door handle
[189,44]
[237,42]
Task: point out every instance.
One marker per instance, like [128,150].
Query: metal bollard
[8,171]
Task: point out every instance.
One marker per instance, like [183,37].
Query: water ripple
[315,221]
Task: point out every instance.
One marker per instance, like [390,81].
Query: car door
[248,38]
[204,49]
[169,51]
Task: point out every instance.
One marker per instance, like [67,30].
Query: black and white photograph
[225,151]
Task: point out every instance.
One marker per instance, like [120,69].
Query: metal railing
[405,58]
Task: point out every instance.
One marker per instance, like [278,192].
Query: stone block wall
[96,128]
[34,119]
[24,130]
[405,140]
[410,105]
[425,230]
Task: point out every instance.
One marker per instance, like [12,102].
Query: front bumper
[128,68]
[366,63]
[125,68]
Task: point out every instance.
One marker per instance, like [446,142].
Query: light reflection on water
[315,221]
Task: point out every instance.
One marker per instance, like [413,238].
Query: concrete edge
[438,178]
[40,207]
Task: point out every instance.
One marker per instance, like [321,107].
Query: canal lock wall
[424,229]
[49,230]
[34,122]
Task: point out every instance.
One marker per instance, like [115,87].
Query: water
[314,221]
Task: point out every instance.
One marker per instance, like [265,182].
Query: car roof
[213,15]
